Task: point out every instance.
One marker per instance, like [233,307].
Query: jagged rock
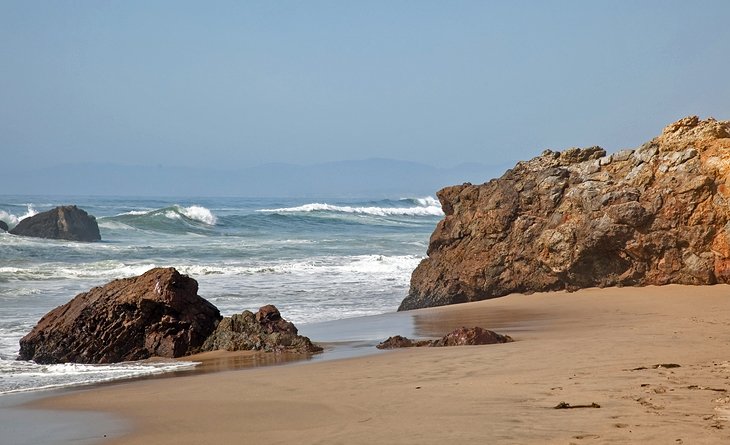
[156,314]
[263,331]
[655,215]
[65,222]
[4,226]
[458,337]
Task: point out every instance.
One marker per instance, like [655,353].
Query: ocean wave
[19,376]
[167,219]
[55,271]
[424,207]
[110,269]
[358,264]
[193,212]
[13,220]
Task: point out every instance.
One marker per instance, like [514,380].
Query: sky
[236,84]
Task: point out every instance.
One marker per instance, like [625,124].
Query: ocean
[316,260]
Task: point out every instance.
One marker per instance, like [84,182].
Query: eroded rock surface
[263,331]
[65,222]
[156,314]
[581,218]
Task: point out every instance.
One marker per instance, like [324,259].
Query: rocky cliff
[580,218]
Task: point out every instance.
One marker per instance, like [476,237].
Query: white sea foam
[63,271]
[321,266]
[428,201]
[199,213]
[13,220]
[18,376]
[427,207]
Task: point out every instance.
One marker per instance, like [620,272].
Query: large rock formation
[156,314]
[263,331]
[65,222]
[651,216]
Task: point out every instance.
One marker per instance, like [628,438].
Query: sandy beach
[594,346]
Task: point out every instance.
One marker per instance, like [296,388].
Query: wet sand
[595,346]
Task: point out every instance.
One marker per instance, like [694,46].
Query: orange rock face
[580,218]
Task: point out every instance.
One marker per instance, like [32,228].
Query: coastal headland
[655,360]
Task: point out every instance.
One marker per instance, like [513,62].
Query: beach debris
[125,320]
[666,366]
[565,405]
[657,366]
[584,218]
[707,388]
[265,330]
[65,222]
[458,337]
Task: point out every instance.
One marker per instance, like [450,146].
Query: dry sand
[592,346]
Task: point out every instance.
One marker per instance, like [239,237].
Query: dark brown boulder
[4,226]
[263,331]
[65,222]
[471,336]
[656,215]
[156,314]
[458,337]
[398,341]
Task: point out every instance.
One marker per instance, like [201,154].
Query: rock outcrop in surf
[158,314]
[64,222]
[659,214]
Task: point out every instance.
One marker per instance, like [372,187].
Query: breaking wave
[166,218]
[13,220]
[427,206]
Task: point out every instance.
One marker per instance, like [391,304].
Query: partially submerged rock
[4,226]
[656,215]
[65,222]
[156,314]
[458,337]
[263,331]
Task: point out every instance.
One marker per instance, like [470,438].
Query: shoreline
[591,346]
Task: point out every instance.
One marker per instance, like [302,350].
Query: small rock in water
[264,331]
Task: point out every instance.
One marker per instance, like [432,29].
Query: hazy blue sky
[235,84]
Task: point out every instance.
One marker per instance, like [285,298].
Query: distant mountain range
[363,178]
